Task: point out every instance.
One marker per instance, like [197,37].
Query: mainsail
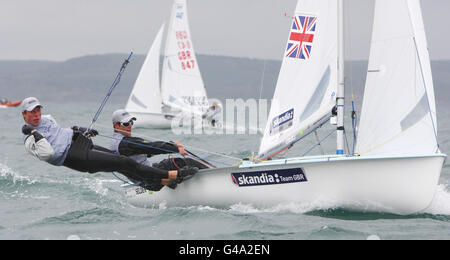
[306,88]
[182,85]
[398,113]
[145,96]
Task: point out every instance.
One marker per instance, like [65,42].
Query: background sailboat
[182,85]
[145,102]
[393,175]
[181,90]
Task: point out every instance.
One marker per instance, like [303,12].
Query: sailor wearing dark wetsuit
[140,149]
[49,142]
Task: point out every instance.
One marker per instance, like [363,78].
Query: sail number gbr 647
[185,53]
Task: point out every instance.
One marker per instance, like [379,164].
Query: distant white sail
[146,96]
[306,88]
[398,113]
[182,85]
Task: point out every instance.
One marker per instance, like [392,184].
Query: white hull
[399,185]
[152,120]
[157,121]
[164,121]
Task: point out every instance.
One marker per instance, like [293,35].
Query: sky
[62,29]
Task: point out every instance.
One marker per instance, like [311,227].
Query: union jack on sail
[301,37]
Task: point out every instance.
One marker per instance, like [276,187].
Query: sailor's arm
[37,145]
[135,145]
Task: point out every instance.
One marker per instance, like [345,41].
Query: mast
[341,81]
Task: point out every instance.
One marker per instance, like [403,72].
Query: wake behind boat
[397,162]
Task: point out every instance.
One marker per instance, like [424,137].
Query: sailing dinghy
[397,164]
[181,92]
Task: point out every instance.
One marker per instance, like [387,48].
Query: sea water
[40,201]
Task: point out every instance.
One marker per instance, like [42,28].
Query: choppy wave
[87,216]
[10,177]
[438,209]
[78,187]
[296,208]
[441,202]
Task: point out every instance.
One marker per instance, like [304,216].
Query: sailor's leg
[101,148]
[193,163]
[101,161]
[178,163]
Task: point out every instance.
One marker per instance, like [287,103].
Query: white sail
[398,113]
[145,96]
[306,88]
[182,85]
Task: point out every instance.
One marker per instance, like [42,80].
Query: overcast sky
[62,29]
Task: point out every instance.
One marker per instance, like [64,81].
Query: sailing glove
[91,132]
[172,184]
[29,130]
[26,129]
[185,172]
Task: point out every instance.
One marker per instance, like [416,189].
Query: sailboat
[397,162]
[182,91]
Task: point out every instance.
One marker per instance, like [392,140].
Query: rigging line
[349,44]
[347,21]
[115,83]
[354,120]
[323,139]
[346,141]
[318,142]
[285,149]
[262,80]
[120,179]
[214,153]
[348,35]
[426,93]
[326,119]
[196,156]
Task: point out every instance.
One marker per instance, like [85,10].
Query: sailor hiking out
[140,149]
[73,148]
